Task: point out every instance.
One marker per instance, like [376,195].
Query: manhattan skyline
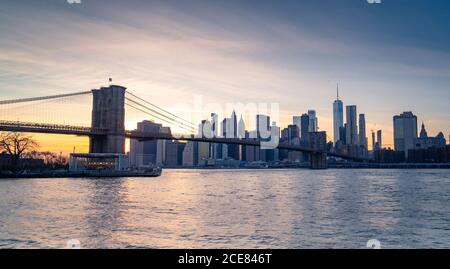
[387,58]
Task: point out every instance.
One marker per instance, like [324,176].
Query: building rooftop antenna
[337,91]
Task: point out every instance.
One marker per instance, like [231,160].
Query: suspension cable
[165,111]
[158,113]
[190,129]
[23,100]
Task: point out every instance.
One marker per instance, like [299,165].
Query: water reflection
[231,209]
[107,202]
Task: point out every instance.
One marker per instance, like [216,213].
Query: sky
[387,58]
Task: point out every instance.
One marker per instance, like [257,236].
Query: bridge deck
[87,131]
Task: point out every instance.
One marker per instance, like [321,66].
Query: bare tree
[16,145]
[31,154]
[49,157]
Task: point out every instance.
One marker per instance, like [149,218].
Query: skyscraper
[203,152]
[161,147]
[190,154]
[313,122]
[379,139]
[216,152]
[229,126]
[229,130]
[214,124]
[270,155]
[304,129]
[373,141]
[205,129]
[233,124]
[241,135]
[263,126]
[146,152]
[342,134]
[241,128]
[252,153]
[362,131]
[351,128]
[225,126]
[204,148]
[226,134]
[292,133]
[405,132]
[297,120]
[174,154]
[233,150]
[338,117]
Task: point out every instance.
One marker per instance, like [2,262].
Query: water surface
[231,209]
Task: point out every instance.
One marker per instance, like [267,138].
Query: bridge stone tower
[108,112]
[318,141]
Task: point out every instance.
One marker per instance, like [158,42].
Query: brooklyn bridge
[107,132]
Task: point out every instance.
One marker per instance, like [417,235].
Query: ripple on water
[231,209]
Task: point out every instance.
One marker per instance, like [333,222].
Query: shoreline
[60,174]
[330,166]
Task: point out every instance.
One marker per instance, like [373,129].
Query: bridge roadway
[9,126]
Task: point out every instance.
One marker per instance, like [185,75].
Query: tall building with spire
[423,131]
[234,124]
[241,128]
[338,117]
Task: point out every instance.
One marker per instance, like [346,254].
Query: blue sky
[387,57]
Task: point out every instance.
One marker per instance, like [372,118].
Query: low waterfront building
[429,155]
[23,163]
[389,156]
[80,162]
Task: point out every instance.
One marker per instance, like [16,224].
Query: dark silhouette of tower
[108,112]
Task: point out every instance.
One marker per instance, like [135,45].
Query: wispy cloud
[162,51]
